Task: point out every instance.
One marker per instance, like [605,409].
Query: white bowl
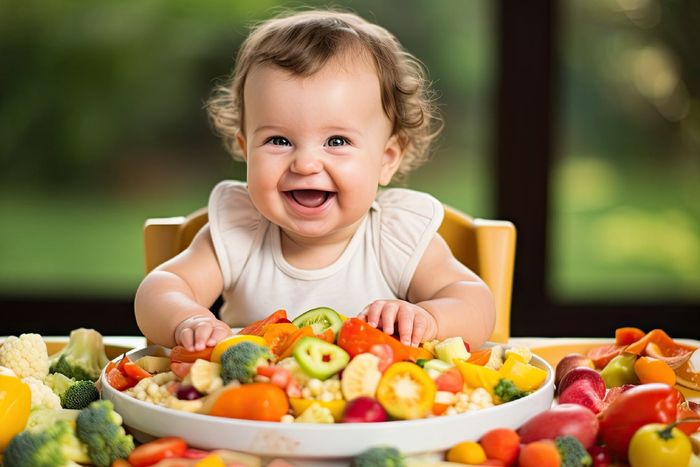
[322,444]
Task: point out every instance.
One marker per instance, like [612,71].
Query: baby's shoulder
[230,206]
[407,222]
[403,204]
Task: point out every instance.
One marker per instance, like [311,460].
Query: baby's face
[317,148]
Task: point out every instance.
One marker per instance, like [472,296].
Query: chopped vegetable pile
[316,372]
[616,405]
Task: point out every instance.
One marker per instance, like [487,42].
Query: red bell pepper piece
[638,406]
[357,336]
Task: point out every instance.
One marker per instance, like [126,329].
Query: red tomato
[157,450]
[134,371]
[181,354]
[634,408]
[450,380]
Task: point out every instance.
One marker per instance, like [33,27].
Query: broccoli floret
[379,456]
[240,361]
[507,391]
[83,358]
[54,446]
[58,382]
[79,395]
[572,452]
[100,428]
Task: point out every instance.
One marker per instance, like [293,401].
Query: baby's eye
[278,141]
[337,141]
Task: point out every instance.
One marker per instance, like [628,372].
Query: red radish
[188,393]
[364,410]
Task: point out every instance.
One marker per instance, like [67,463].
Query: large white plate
[320,444]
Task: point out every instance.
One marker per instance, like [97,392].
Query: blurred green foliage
[625,198]
[102,125]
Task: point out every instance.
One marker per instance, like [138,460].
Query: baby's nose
[305,162]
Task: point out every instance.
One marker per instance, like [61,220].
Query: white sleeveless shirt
[378,263]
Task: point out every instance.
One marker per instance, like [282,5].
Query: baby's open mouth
[310,198]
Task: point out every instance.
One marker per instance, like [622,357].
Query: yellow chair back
[487,247]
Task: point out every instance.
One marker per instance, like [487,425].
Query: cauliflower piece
[4,371]
[42,395]
[495,358]
[26,355]
[315,413]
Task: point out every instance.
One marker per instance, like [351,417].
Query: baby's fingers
[405,322]
[185,338]
[220,332]
[374,312]
[202,333]
[420,325]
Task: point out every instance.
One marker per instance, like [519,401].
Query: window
[626,183]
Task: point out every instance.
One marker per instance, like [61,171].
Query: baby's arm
[172,303]
[445,299]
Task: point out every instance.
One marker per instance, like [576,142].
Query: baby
[324,108]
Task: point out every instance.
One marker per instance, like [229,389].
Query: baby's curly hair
[302,43]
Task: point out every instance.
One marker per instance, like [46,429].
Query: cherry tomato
[450,380]
[154,451]
[385,355]
[657,444]
[181,369]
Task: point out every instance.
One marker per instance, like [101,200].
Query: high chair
[487,247]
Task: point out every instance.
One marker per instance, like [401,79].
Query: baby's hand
[414,322]
[198,332]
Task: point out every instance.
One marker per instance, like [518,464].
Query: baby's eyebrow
[268,128]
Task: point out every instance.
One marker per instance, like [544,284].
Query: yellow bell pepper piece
[212,460]
[526,377]
[478,376]
[223,345]
[15,403]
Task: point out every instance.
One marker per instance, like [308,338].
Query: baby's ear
[241,142]
[391,159]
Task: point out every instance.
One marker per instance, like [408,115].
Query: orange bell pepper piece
[663,341]
[288,348]
[256,328]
